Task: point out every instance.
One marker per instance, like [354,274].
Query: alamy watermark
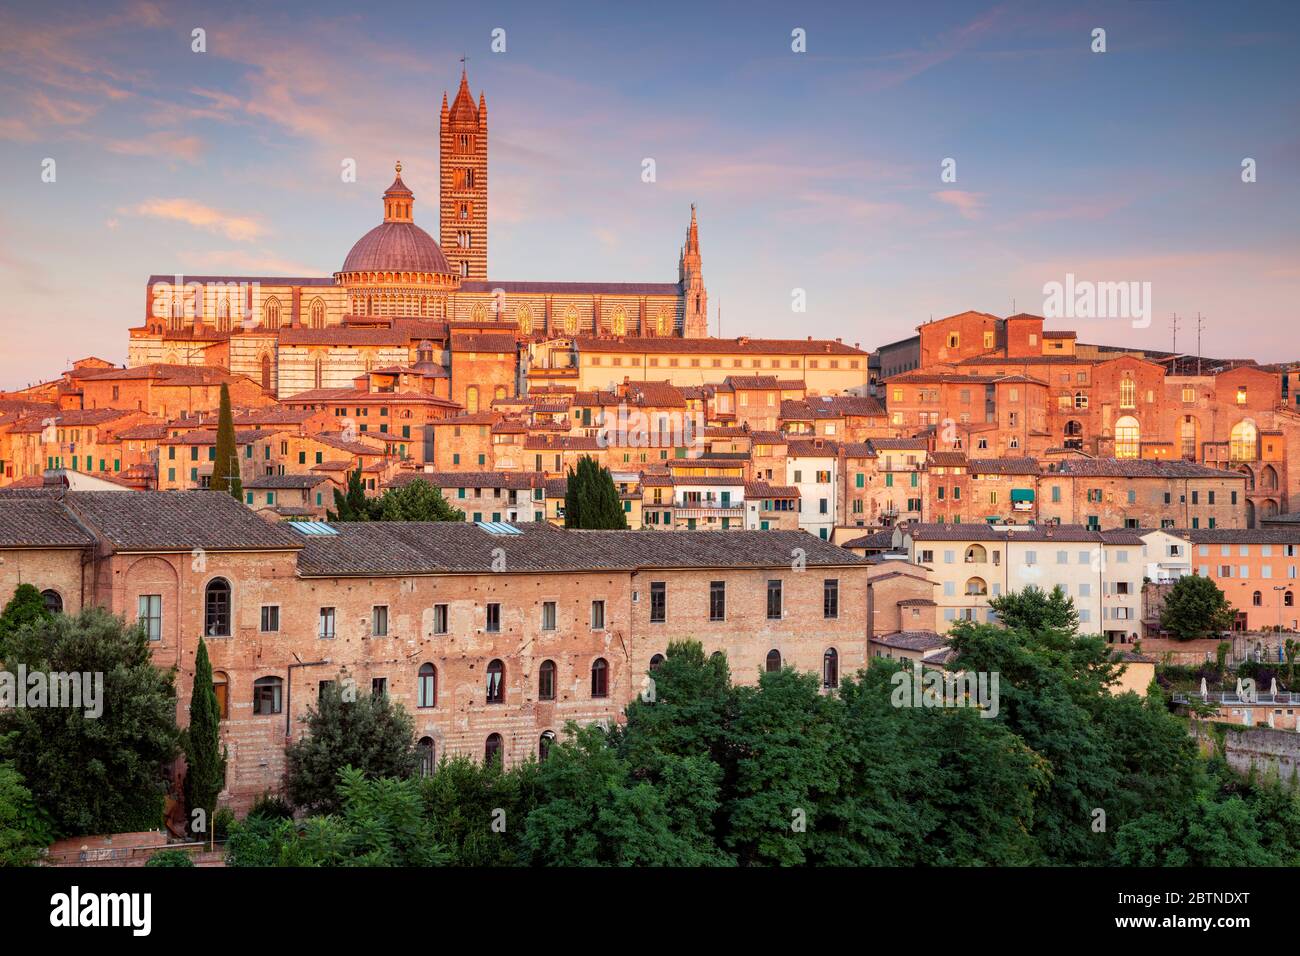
[935,688]
[633,428]
[1083,299]
[40,689]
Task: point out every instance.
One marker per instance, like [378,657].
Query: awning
[1022,494]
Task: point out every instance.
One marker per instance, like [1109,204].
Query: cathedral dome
[397,244]
[396,247]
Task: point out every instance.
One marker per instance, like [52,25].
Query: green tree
[590,498]
[469,803]
[205,757]
[96,768]
[381,822]
[225,466]
[1036,609]
[416,500]
[352,505]
[24,832]
[25,607]
[596,814]
[1195,607]
[371,734]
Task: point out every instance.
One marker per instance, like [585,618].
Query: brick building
[491,636]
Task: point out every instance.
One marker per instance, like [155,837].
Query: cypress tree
[352,505]
[591,500]
[225,467]
[204,755]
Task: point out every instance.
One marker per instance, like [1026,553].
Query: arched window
[1257,599]
[428,756]
[1127,435]
[499,392]
[544,744]
[1073,428]
[319,373]
[773,661]
[619,321]
[267,695]
[599,678]
[492,749]
[1243,441]
[496,682]
[53,601]
[1268,478]
[831,668]
[266,372]
[471,399]
[221,687]
[216,608]
[271,313]
[665,322]
[317,314]
[976,554]
[1288,599]
[656,662]
[571,320]
[546,681]
[524,320]
[426,691]
[976,586]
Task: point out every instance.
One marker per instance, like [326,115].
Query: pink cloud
[193,213]
[969,205]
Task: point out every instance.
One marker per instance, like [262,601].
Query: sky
[818,171]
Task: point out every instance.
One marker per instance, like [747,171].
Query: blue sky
[817,171]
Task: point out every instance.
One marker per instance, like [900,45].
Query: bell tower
[690,273]
[463,184]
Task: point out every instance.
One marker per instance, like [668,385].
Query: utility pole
[1199,326]
[1173,324]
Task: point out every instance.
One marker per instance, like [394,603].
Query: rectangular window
[149,612]
[658,602]
[440,619]
[548,615]
[597,615]
[270,618]
[717,600]
[831,598]
[493,618]
[379,620]
[327,622]
[774,599]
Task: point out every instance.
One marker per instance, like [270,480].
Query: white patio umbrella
[1205,693]
[1272,688]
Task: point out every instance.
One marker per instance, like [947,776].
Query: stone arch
[1268,478]
[1128,436]
[1243,441]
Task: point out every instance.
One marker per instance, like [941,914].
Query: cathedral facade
[400,294]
